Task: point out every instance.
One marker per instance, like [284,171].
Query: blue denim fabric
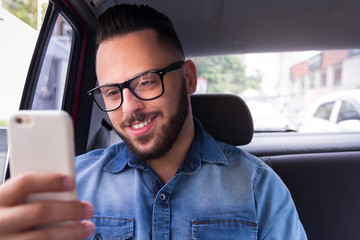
[220,192]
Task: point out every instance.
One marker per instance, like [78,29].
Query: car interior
[320,170]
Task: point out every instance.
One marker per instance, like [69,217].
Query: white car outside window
[335,112]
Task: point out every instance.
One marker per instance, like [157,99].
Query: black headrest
[226,117]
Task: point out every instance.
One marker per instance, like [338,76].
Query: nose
[131,103]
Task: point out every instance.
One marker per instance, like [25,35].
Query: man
[169,179]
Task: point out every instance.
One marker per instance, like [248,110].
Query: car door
[56,74]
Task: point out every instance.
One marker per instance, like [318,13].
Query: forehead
[125,56]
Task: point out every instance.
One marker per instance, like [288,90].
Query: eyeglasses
[145,86]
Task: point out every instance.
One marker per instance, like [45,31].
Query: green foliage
[26,10]
[226,74]
[44,7]
[3,123]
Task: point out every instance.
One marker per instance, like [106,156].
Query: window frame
[52,13]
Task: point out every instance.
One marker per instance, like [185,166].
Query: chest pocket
[224,228]
[111,228]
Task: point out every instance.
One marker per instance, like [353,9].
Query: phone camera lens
[19,120]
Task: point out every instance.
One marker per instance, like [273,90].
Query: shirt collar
[204,149]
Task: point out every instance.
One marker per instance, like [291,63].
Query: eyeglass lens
[146,86]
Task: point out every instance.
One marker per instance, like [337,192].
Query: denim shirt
[219,192]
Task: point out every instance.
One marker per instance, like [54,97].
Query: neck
[166,166]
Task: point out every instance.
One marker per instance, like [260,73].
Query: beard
[169,132]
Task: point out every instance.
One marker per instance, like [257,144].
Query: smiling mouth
[141,124]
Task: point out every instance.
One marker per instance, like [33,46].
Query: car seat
[225,116]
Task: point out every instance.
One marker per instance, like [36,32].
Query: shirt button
[162,197]
[97,237]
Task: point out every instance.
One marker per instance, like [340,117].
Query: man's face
[149,128]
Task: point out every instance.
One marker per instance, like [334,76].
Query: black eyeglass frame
[171,68]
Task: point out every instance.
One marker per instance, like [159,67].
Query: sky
[16,48]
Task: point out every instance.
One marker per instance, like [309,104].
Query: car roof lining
[230,26]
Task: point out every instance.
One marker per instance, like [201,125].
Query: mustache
[138,117]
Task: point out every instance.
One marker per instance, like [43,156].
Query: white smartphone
[42,141]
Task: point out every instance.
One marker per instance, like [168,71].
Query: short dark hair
[125,18]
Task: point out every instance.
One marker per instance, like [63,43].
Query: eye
[146,83]
[110,92]
[148,80]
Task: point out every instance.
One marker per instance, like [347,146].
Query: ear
[189,72]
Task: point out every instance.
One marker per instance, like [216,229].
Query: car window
[324,110]
[348,112]
[52,79]
[292,83]
[19,34]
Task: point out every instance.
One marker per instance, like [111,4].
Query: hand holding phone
[21,220]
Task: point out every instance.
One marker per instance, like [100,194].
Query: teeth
[141,125]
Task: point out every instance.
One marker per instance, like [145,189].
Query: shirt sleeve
[276,212]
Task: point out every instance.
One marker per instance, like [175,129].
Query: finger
[73,231]
[15,190]
[31,215]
